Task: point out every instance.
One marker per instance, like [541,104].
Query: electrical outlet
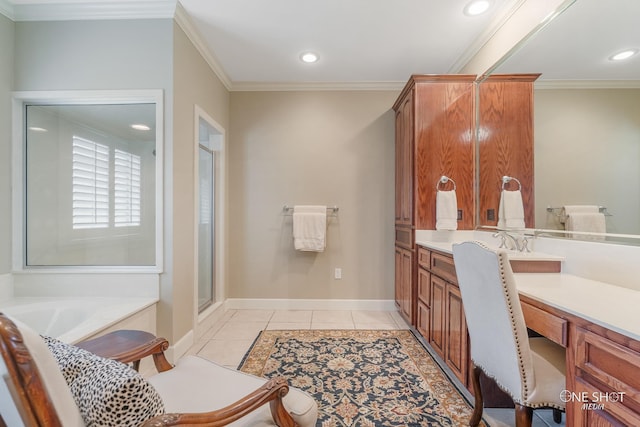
[491,214]
[337,274]
[459,214]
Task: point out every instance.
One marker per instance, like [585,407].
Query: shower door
[206,215]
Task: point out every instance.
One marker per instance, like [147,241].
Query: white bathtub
[75,319]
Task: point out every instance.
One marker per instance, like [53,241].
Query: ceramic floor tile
[322,325]
[288,325]
[251,316]
[226,352]
[331,316]
[291,316]
[239,330]
[375,326]
[372,317]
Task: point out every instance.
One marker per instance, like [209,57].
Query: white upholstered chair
[530,370]
[37,371]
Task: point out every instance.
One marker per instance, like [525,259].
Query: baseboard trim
[309,304]
[176,351]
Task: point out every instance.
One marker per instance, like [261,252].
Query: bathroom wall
[587,149]
[194,84]
[332,148]
[7,28]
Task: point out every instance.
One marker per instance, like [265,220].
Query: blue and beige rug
[361,378]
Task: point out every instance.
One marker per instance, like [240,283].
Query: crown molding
[587,84]
[186,23]
[6,9]
[315,86]
[122,9]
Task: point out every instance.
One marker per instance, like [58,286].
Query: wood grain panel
[546,324]
[444,145]
[505,142]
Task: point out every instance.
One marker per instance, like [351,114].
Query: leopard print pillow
[108,393]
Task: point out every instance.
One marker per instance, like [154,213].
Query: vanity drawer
[609,363]
[546,324]
[404,237]
[443,266]
[424,257]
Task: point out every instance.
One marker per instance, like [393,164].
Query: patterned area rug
[361,378]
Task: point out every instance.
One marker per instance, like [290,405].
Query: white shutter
[127,189]
[90,181]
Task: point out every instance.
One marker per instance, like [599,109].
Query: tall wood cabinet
[434,137]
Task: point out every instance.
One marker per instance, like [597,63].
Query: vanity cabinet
[445,327]
[602,367]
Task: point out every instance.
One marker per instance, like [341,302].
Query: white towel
[586,222]
[446,210]
[571,209]
[309,228]
[511,210]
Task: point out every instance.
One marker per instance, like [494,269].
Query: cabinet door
[403,285]
[437,331]
[456,355]
[424,286]
[406,162]
[600,414]
[423,320]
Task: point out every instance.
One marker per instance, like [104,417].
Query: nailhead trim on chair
[502,258]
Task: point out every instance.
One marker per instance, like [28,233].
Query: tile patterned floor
[229,339]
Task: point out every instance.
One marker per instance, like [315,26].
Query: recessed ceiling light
[625,54]
[477,7]
[37,129]
[138,126]
[309,57]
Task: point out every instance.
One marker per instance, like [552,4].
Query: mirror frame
[18,196]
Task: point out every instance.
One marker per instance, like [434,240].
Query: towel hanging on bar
[309,228]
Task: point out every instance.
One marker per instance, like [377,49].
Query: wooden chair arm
[129,346]
[272,391]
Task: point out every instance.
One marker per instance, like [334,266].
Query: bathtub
[75,319]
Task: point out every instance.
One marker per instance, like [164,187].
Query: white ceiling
[370,43]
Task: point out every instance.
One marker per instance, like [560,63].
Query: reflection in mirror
[90,176]
[586,114]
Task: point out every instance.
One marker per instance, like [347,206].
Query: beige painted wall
[333,148]
[194,84]
[587,151]
[7,29]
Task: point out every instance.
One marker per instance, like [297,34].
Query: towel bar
[288,210]
[558,210]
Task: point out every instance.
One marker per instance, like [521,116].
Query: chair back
[499,341]
[33,380]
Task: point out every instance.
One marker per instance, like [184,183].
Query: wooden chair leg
[524,416]
[477,393]
[557,416]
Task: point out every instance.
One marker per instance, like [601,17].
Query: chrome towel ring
[506,179]
[443,180]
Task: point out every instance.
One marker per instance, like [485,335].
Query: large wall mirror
[91,180]
[586,113]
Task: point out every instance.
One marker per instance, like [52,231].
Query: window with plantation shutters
[126,189]
[90,182]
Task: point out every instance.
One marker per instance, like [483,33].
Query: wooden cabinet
[505,145]
[439,297]
[602,383]
[435,127]
[606,384]
[434,137]
[404,282]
